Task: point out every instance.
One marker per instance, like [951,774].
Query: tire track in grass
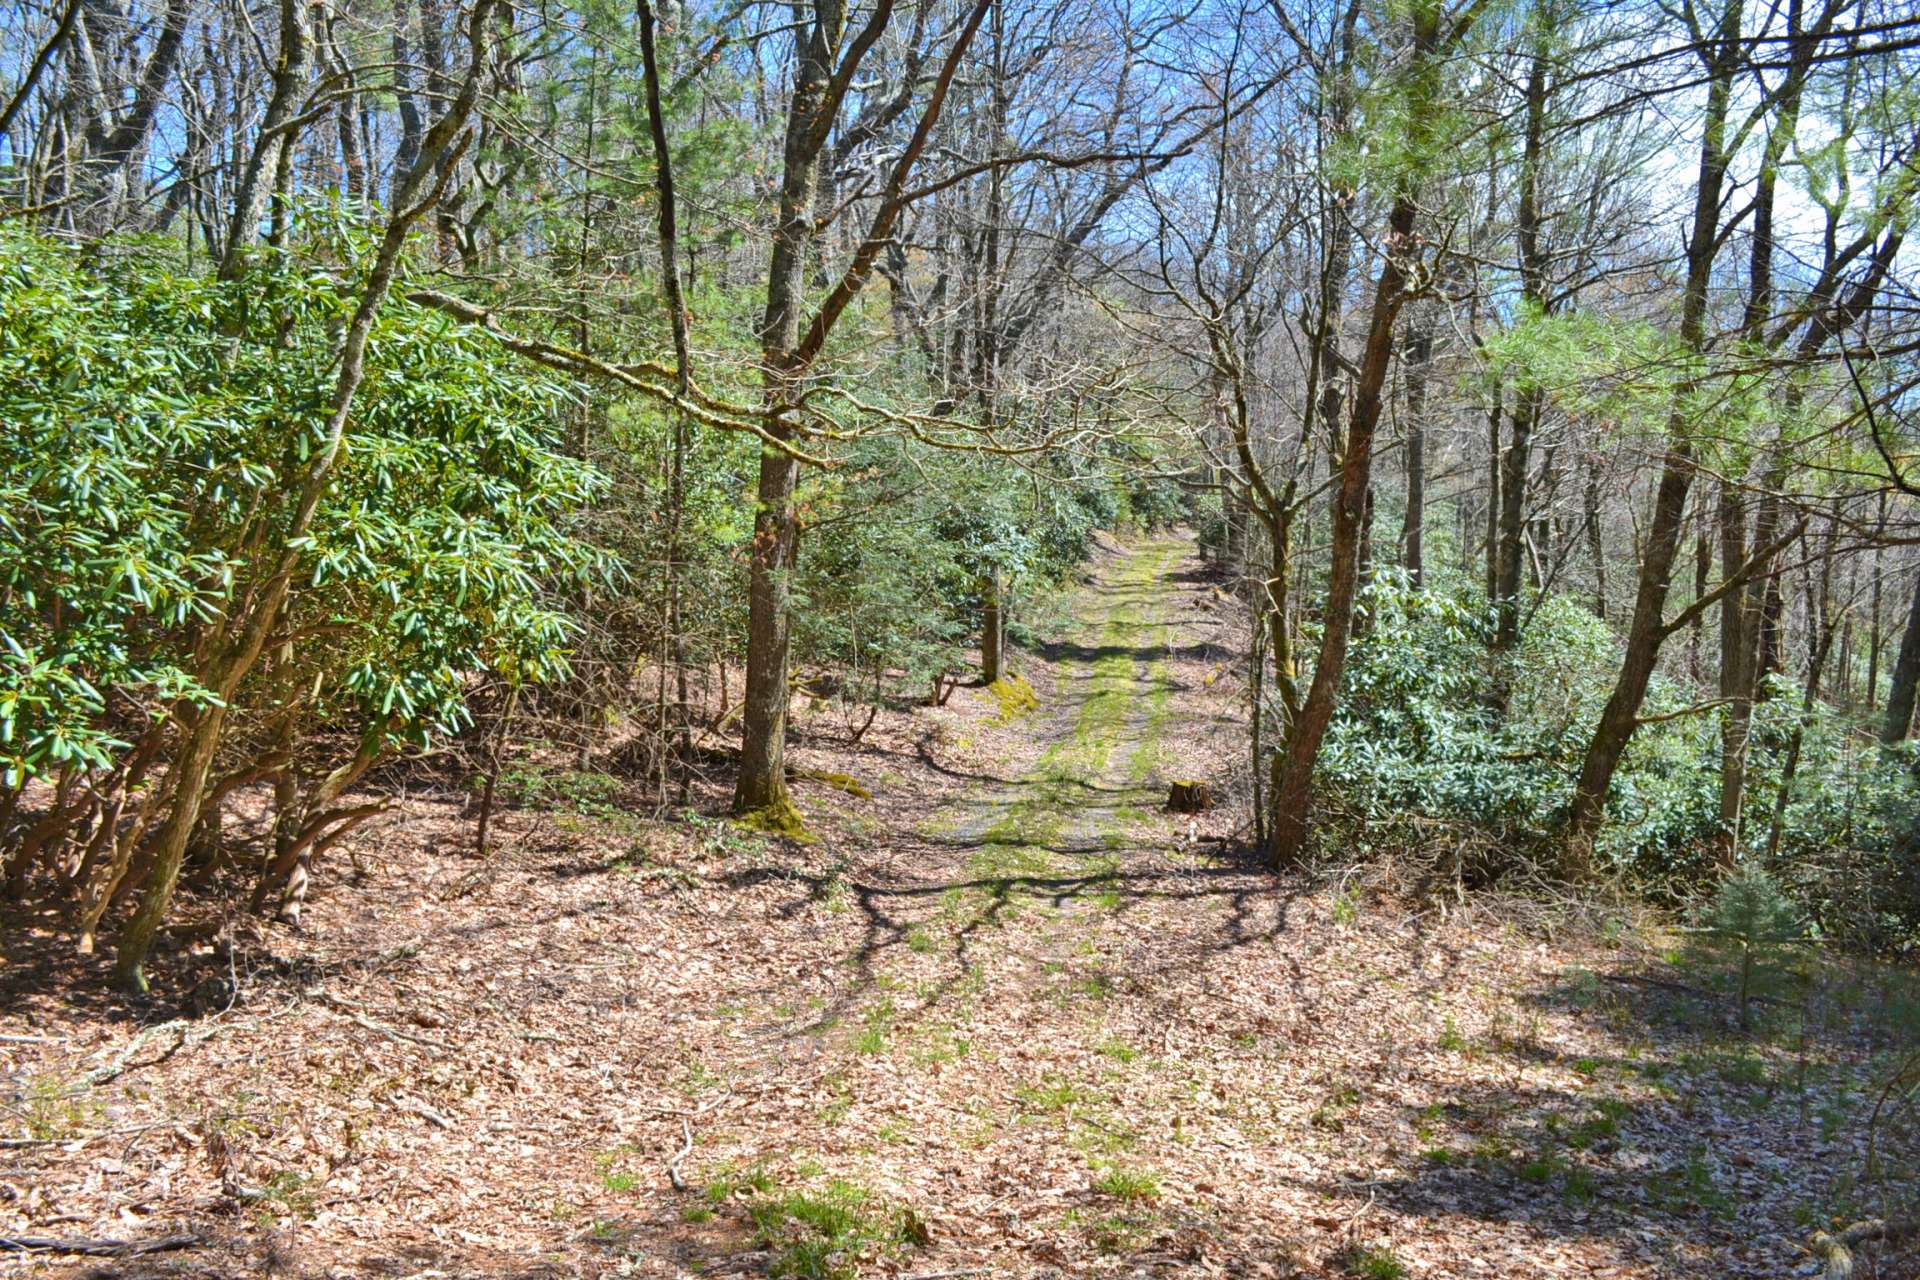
[1071,812]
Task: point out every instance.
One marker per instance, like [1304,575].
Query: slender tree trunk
[1736,679]
[787,355]
[1750,616]
[1494,500]
[1702,571]
[1366,552]
[1648,629]
[1906,677]
[1596,543]
[1822,623]
[1293,770]
[1511,557]
[1412,541]
[231,654]
[762,784]
[1875,622]
[993,629]
[41,60]
[1525,419]
[405,94]
[276,140]
[113,139]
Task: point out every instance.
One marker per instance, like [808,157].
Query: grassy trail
[1005,1018]
[1090,787]
[1002,1040]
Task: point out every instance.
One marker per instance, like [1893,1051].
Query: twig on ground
[121,1064]
[97,1248]
[694,1114]
[686,1130]
[686,1149]
[359,1019]
[427,1113]
[1668,984]
[77,1141]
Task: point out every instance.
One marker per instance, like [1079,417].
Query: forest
[937,638]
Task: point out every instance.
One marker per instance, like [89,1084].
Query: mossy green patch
[1123,1183]
[780,818]
[830,1232]
[1016,697]
[843,782]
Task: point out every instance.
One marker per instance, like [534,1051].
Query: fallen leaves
[514,1087]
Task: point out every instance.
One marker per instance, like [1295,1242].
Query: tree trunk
[111,140]
[787,355]
[1649,630]
[993,629]
[1702,571]
[1510,556]
[762,784]
[1596,542]
[1906,677]
[276,139]
[1526,415]
[1875,640]
[1293,770]
[233,653]
[1412,541]
[1736,678]
[44,58]
[406,98]
[1821,622]
[1494,414]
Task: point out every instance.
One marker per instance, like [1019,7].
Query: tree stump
[1189,797]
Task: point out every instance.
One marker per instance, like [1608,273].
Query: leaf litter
[1006,1017]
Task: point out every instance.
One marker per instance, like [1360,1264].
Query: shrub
[159,424]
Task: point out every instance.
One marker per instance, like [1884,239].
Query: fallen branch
[686,1132]
[74,1142]
[1835,1251]
[96,1248]
[426,1113]
[686,1149]
[119,1066]
[360,1019]
[1668,984]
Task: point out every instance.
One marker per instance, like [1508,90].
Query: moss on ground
[1017,698]
[842,782]
[780,818]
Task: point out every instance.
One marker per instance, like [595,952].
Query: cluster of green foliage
[892,570]
[825,1233]
[1435,726]
[158,421]
[897,545]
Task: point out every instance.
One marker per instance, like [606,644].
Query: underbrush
[1468,761]
[824,1229]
